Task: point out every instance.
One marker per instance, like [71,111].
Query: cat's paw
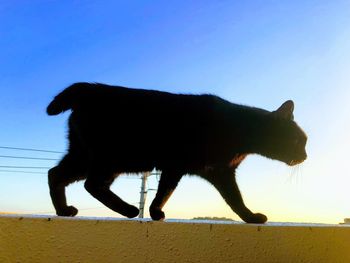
[133,211]
[157,214]
[256,219]
[68,211]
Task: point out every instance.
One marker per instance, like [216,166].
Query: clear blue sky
[258,53]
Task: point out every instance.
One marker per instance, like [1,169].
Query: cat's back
[114,117]
[95,99]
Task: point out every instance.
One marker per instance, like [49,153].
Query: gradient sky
[257,53]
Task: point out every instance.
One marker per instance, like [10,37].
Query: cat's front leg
[225,182]
[167,184]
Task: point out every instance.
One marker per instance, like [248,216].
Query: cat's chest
[232,163]
[236,160]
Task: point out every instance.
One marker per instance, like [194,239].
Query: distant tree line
[213,218]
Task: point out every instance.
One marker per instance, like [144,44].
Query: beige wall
[24,239]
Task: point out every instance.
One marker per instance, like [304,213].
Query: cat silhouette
[115,130]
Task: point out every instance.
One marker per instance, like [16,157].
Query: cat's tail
[67,98]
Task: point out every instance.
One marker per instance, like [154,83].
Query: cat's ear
[286,110]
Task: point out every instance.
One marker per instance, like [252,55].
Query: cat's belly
[136,144]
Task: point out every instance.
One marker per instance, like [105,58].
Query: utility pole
[143,193]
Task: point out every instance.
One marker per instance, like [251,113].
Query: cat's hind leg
[98,185]
[224,181]
[69,170]
[167,184]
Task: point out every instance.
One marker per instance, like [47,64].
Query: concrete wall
[43,239]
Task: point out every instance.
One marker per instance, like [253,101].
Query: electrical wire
[24,167]
[28,158]
[18,171]
[28,149]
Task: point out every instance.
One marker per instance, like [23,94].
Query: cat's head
[282,138]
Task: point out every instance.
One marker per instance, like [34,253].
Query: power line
[28,149]
[28,158]
[24,167]
[18,171]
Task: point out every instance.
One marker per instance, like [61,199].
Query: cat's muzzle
[297,161]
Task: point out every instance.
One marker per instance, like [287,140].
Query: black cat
[114,130]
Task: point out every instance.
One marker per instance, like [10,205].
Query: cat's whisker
[290,174]
[294,174]
[298,173]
